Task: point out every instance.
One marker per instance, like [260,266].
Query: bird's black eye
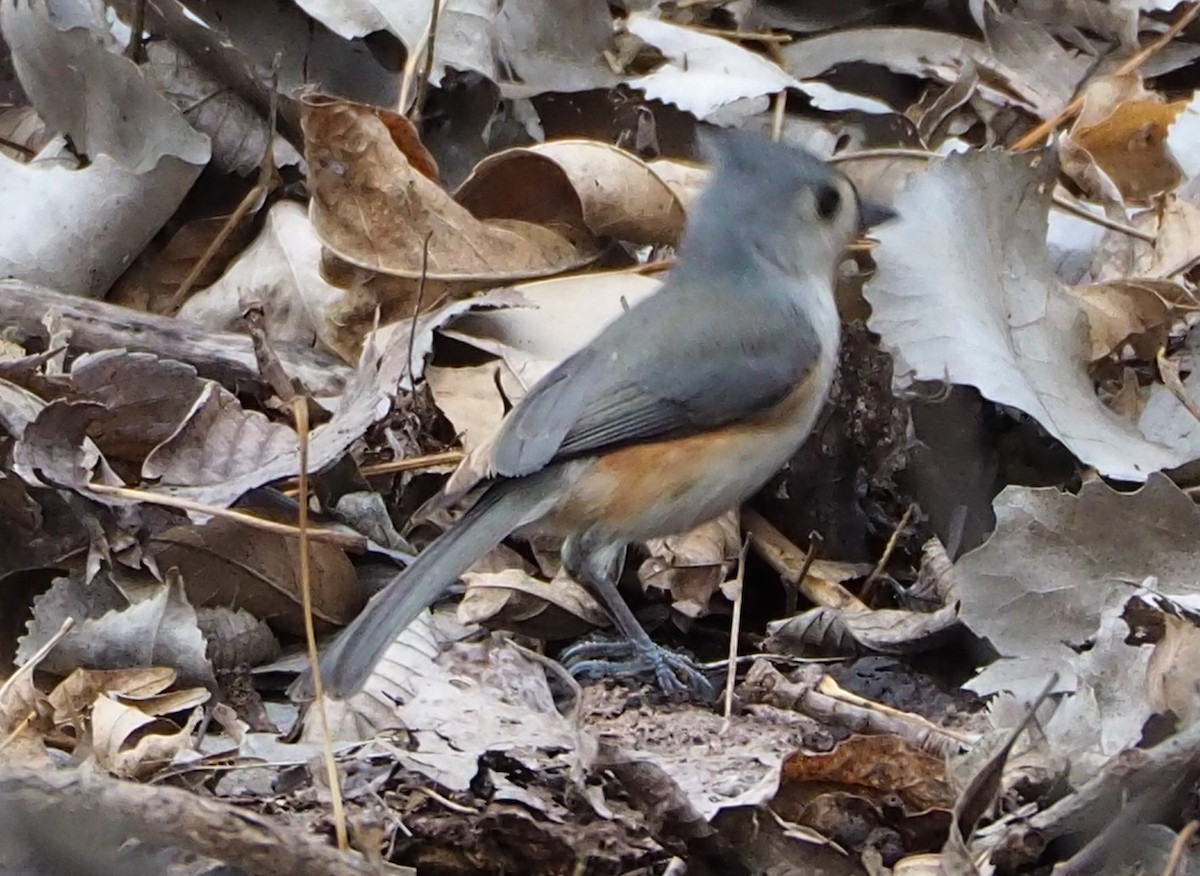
[828,201]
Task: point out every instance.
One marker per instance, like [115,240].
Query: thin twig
[300,412]
[1077,209]
[410,90]
[1179,847]
[266,170]
[460,808]
[654,267]
[17,147]
[777,109]
[31,664]
[266,176]
[396,466]
[788,560]
[890,152]
[749,36]
[413,463]
[1068,112]
[347,540]
[412,329]
[830,688]
[734,635]
[816,541]
[427,67]
[235,219]
[790,660]
[887,551]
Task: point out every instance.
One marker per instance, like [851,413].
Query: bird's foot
[677,676]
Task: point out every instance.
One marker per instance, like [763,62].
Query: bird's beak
[871,214]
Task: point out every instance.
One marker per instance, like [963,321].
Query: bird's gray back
[728,334]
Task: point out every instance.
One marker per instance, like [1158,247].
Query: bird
[678,411]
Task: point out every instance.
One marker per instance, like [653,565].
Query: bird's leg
[596,566]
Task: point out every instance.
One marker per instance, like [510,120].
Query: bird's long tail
[349,661]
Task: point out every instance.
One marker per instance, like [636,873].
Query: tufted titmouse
[678,411]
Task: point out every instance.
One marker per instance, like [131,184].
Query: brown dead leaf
[25,721]
[1128,401]
[514,600]
[144,689]
[874,767]
[219,442]
[376,208]
[1005,76]
[613,192]
[685,180]
[161,422]
[74,695]
[1171,673]
[222,563]
[837,630]
[1117,146]
[133,745]
[1121,309]
[236,638]
[1174,224]
[470,398]
[1177,242]
[556,318]
[692,566]
[171,702]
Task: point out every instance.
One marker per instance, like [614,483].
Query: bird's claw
[674,674]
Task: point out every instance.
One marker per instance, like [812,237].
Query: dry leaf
[1172,671]
[375,209]
[704,73]
[614,192]
[158,630]
[964,290]
[942,57]
[692,566]
[74,228]
[1116,149]
[464,40]
[470,398]
[873,766]
[225,564]
[514,600]
[133,745]
[1119,309]
[280,272]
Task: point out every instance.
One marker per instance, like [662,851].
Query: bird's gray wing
[529,437]
[700,380]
